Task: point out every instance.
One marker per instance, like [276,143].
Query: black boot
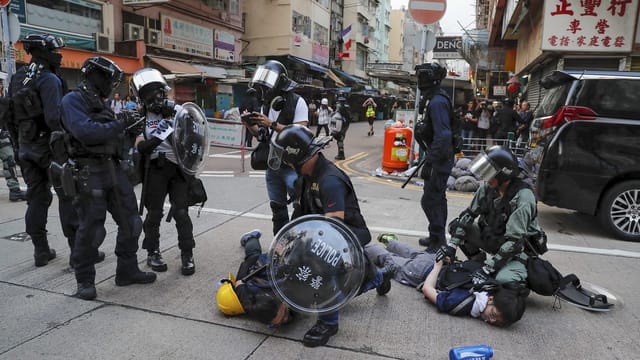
[319,334]
[42,258]
[340,155]
[99,259]
[188,265]
[17,195]
[136,277]
[86,291]
[156,262]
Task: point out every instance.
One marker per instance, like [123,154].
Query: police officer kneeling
[97,147]
[499,221]
[328,191]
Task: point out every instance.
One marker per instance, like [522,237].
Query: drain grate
[20,237]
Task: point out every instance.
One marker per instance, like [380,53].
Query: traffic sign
[4,3]
[427,12]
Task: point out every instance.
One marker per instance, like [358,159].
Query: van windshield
[553,100]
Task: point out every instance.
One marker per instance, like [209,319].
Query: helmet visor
[266,77]
[54,42]
[482,167]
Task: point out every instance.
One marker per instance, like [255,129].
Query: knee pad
[153,217]
[136,226]
[181,215]
[98,235]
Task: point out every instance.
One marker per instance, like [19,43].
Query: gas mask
[156,102]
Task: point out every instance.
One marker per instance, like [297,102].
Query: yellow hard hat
[227,298]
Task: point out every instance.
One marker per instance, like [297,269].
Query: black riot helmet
[496,162]
[44,48]
[430,75]
[294,145]
[270,79]
[102,74]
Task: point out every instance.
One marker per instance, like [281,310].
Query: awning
[212,71]
[335,78]
[349,77]
[176,67]
[313,66]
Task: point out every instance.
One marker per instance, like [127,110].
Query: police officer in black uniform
[328,191]
[434,134]
[343,109]
[97,148]
[36,91]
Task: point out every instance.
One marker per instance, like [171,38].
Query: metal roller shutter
[535,92]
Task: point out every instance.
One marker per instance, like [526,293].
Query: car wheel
[620,210]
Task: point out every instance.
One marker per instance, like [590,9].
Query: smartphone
[250,118]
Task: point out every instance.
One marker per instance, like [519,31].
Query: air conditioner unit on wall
[133,32]
[154,37]
[103,43]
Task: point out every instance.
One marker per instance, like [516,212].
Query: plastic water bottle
[471,352]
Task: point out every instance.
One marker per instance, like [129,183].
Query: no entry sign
[427,12]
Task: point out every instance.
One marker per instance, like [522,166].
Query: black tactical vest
[311,202]
[493,219]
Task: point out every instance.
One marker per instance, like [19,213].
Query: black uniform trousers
[164,178]
[39,198]
[103,189]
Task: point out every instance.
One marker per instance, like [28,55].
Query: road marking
[217,173]
[384,229]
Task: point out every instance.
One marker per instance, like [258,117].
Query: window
[320,34]
[301,24]
[234,7]
[323,3]
[216,4]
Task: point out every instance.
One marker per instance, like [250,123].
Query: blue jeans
[466,135]
[280,183]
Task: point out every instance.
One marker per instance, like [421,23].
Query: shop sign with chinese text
[589,25]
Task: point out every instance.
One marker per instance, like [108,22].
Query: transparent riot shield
[316,264]
[191,138]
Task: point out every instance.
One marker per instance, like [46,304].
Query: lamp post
[453,75]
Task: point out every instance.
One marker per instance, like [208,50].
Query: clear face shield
[482,167]
[266,77]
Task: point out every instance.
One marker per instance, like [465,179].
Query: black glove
[133,122]
[427,172]
[481,276]
[444,252]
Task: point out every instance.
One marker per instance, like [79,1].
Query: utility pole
[8,60]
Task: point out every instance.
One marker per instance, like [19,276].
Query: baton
[414,172]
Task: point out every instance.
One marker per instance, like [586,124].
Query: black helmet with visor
[103,74]
[496,162]
[294,146]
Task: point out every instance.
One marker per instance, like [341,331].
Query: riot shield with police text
[316,264]
[191,138]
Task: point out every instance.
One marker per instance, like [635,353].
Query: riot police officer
[163,174]
[36,91]
[435,136]
[274,90]
[343,115]
[7,158]
[498,221]
[328,191]
[97,148]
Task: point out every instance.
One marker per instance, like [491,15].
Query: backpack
[6,112]
[457,275]
[542,277]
